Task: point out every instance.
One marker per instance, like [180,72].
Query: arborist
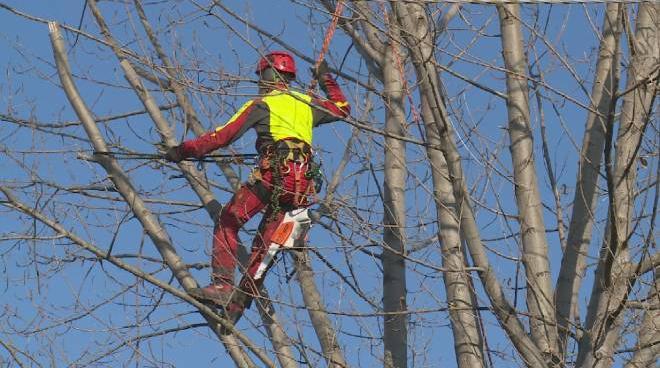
[282,181]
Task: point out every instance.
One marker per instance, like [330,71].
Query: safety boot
[218,292]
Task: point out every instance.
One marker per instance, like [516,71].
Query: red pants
[247,202]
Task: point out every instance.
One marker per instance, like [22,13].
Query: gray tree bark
[394,217]
[468,342]
[383,60]
[610,290]
[540,303]
[507,315]
[429,85]
[573,263]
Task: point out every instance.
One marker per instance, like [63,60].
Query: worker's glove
[173,155]
[322,70]
[319,74]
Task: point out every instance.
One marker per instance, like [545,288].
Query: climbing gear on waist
[285,158]
[276,157]
[290,150]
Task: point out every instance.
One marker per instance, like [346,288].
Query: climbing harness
[285,157]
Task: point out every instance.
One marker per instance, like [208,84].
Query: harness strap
[277,158]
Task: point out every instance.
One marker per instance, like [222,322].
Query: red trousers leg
[240,209]
[293,185]
[260,245]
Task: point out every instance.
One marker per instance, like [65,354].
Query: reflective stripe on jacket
[280,114]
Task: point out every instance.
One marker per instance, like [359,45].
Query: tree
[428,227]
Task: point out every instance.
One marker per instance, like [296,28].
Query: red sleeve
[336,107]
[222,136]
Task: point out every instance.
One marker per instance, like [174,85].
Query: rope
[229,158]
[329,33]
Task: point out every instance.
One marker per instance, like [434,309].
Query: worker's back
[290,115]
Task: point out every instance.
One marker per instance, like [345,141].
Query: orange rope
[328,37]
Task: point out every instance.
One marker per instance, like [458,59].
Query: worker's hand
[322,70]
[173,155]
[320,73]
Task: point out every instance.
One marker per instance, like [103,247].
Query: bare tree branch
[151,225]
[573,263]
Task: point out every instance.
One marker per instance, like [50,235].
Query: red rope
[328,37]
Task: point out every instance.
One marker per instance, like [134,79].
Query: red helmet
[281,61]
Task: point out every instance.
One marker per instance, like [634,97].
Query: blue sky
[29,90]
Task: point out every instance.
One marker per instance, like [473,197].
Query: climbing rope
[226,158]
[329,33]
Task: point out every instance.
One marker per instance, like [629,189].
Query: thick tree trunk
[610,291]
[394,218]
[573,263]
[540,303]
[603,302]
[468,342]
[429,85]
[506,314]
[383,63]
